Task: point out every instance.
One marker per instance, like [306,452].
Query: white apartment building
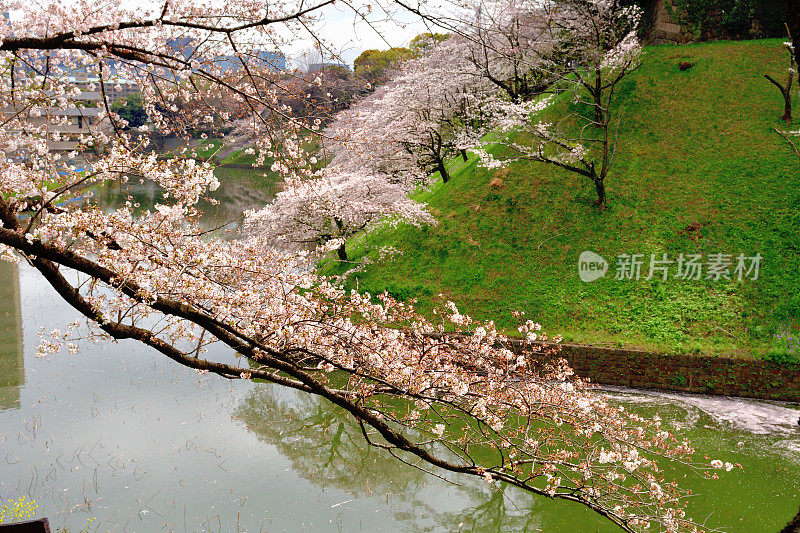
[65,126]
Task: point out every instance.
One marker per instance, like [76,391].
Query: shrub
[785,348]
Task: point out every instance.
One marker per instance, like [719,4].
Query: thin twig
[788,140]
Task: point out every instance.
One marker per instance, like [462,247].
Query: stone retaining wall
[685,373]
[665,29]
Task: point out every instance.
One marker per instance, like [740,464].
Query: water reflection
[325,446]
[119,433]
[240,189]
[142,444]
[12,362]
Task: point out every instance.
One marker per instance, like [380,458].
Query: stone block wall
[685,373]
[665,30]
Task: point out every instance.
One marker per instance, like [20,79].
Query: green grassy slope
[695,146]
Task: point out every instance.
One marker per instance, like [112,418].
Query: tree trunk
[787,106]
[793,11]
[598,96]
[786,92]
[464,155]
[442,171]
[341,251]
[600,187]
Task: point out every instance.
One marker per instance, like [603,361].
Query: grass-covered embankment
[696,149]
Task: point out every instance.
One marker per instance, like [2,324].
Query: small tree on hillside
[324,212]
[786,90]
[516,46]
[594,30]
[591,154]
[599,38]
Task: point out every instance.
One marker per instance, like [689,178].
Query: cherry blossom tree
[590,29]
[407,129]
[518,46]
[601,34]
[786,90]
[326,211]
[464,405]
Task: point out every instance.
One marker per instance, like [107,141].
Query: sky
[338,27]
[350,37]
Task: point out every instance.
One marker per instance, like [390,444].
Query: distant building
[114,88]
[88,104]
[12,361]
[65,126]
[185,48]
[79,119]
[273,60]
[121,89]
[82,118]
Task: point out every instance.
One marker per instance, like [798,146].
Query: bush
[131,109]
[786,347]
[730,19]
[789,308]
